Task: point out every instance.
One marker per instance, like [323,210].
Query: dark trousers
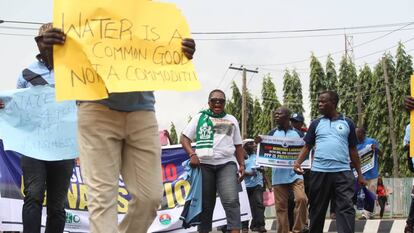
[323,186]
[256,206]
[410,219]
[291,208]
[40,176]
[332,206]
[381,201]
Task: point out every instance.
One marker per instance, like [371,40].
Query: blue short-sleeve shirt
[407,135]
[252,181]
[372,173]
[332,139]
[284,175]
[40,69]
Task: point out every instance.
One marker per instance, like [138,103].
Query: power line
[383,50]
[306,70]
[18,28]
[234,77]
[296,37]
[337,52]
[223,77]
[21,22]
[14,34]
[257,32]
[301,30]
[251,77]
[380,37]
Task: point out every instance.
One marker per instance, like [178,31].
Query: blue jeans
[40,176]
[222,179]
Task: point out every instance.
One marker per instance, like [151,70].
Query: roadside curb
[366,226]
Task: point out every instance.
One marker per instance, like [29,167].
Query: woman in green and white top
[218,150]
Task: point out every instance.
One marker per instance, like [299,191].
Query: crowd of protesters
[119,135]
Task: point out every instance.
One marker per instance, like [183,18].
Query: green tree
[331,79]
[365,80]
[173,134]
[317,75]
[257,113]
[292,92]
[250,115]
[377,113]
[233,105]
[347,89]
[401,88]
[270,103]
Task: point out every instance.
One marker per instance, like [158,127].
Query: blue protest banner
[34,124]
[176,189]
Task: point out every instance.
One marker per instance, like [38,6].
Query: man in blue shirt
[371,176]
[284,179]
[254,186]
[119,135]
[43,174]
[334,137]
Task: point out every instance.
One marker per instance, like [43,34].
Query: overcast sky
[213,57]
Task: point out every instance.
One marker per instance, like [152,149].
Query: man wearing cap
[297,120]
[42,174]
[254,186]
[285,179]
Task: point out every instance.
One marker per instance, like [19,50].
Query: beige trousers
[281,203]
[113,143]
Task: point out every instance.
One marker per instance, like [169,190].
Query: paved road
[369,226]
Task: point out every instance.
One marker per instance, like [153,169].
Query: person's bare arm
[302,156]
[186,143]
[240,160]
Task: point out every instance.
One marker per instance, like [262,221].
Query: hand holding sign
[188,47]
[298,168]
[125,46]
[54,36]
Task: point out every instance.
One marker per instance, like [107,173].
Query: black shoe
[259,229]
[305,229]
[408,228]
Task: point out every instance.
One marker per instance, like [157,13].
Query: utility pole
[349,54]
[244,98]
[390,121]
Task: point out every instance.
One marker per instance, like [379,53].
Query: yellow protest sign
[412,119]
[120,46]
